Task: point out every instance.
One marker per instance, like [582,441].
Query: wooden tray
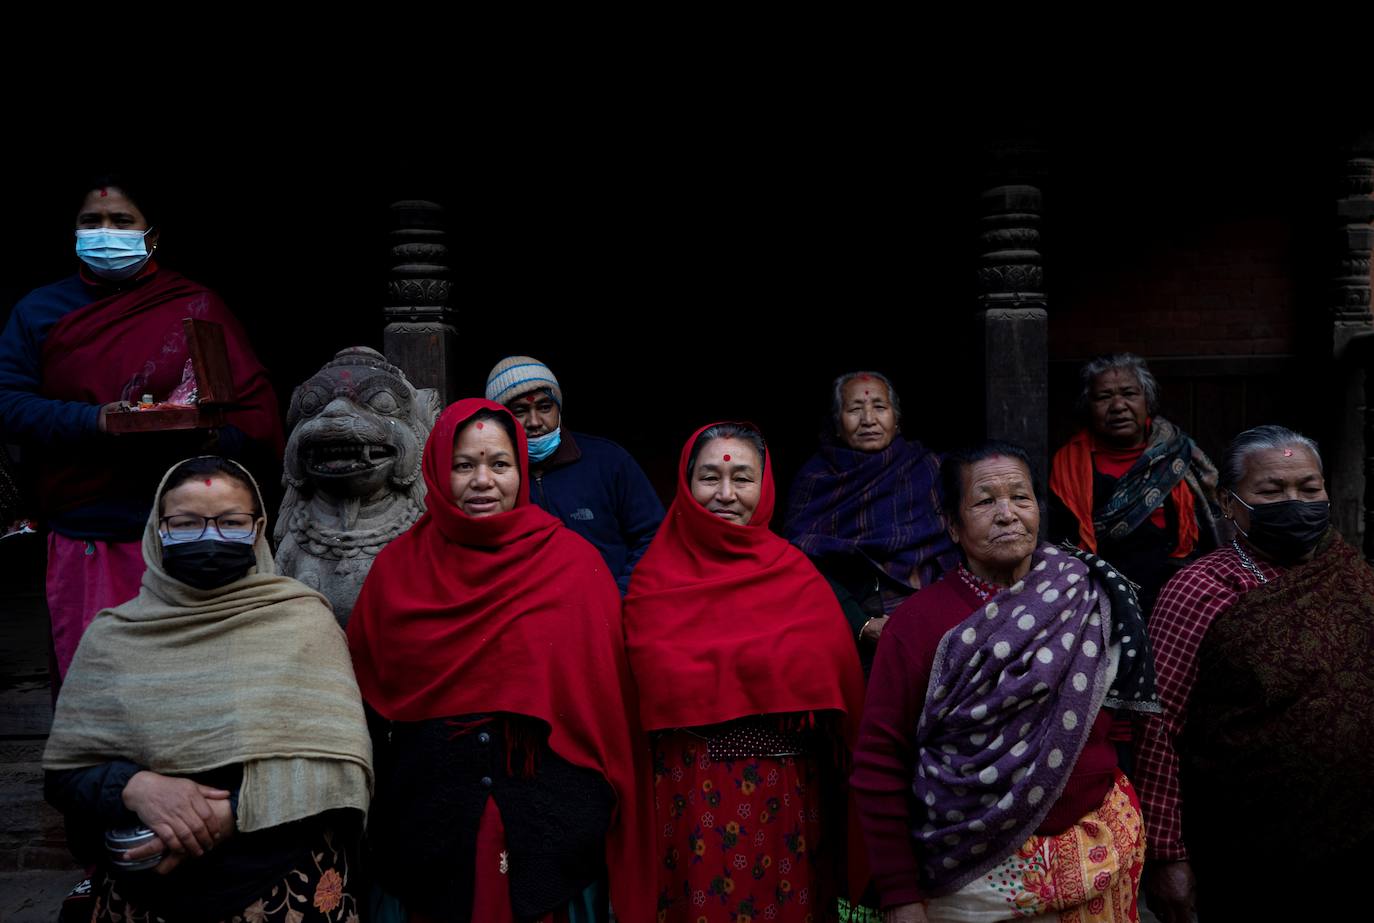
[214,388]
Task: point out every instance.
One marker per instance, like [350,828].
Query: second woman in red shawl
[752,688]
[488,646]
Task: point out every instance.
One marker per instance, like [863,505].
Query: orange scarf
[1071,480]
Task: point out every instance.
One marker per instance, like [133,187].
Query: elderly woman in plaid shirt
[1265,658]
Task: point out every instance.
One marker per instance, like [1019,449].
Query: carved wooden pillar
[1011,313]
[420,336]
[1350,469]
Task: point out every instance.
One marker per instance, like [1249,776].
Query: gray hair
[1120,362]
[746,431]
[1257,440]
[837,396]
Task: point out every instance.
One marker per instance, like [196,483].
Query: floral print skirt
[1090,873]
[316,890]
[737,839]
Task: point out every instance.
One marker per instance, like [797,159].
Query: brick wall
[1224,288]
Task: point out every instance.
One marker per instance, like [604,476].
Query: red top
[1115,462]
[510,613]
[885,765]
[1186,608]
[725,620]
[1071,480]
[132,342]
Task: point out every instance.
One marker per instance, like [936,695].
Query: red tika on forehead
[481,425]
[207,482]
[727,458]
[104,193]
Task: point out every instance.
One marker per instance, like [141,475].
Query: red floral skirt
[738,839]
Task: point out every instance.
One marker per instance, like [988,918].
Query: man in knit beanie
[590,483]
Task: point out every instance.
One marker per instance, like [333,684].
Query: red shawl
[510,613]
[131,343]
[724,621]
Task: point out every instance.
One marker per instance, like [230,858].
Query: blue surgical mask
[541,447]
[112,253]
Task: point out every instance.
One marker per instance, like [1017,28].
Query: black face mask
[1288,530]
[209,563]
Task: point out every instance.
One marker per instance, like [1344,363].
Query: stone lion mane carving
[352,471]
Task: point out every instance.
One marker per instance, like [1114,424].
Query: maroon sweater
[885,762]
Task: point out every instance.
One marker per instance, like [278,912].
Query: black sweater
[433,781]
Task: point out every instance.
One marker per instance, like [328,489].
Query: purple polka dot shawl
[1014,691]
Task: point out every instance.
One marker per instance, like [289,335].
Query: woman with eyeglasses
[209,750]
[74,350]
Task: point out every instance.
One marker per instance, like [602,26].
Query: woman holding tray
[69,354]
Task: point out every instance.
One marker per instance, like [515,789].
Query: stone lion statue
[352,471]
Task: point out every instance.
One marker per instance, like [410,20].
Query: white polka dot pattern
[1025,670]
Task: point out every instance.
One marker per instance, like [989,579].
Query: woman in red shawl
[71,351]
[750,682]
[487,640]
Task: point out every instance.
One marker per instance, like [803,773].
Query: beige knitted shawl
[181,680]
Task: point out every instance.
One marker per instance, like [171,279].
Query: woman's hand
[1171,891]
[873,629]
[105,412]
[178,810]
[155,847]
[906,913]
[222,826]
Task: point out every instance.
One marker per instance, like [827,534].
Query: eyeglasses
[188,527]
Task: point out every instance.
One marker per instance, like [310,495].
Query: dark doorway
[668,281]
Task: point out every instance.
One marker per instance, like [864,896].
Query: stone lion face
[357,430]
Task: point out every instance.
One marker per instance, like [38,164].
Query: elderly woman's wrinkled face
[999,519]
[1274,475]
[728,479]
[1117,408]
[485,478]
[867,420]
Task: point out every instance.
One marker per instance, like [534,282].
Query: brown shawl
[1279,744]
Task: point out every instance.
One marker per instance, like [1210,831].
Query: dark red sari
[131,343]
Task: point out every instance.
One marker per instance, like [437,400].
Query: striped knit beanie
[517,375]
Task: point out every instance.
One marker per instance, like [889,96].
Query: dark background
[668,283]
[676,267]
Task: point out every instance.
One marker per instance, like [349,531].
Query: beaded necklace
[981,588]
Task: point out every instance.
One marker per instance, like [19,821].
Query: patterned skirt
[316,890]
[1090,873]
[738,838]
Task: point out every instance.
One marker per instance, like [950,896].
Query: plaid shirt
[1184,611]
